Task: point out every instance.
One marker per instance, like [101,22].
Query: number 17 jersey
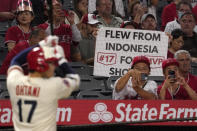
[35,100]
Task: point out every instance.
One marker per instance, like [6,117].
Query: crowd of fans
[29,22]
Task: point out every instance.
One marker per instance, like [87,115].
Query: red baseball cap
[168,62]
[138,59]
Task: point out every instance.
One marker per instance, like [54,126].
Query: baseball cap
[144,17]
[90,19]
[138,59]
[24,5]
[168,62]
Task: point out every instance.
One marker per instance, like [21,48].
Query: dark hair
[131,6]
[189,13]
[176,33]
[76,9]
[135,25]
[184,3]
[19,12]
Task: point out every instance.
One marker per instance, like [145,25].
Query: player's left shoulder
[14,72]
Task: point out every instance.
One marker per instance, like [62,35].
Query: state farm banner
[116,47]
[85,112]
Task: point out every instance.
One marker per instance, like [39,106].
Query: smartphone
[171,74]
[144,77]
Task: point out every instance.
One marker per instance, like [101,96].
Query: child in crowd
[22,30]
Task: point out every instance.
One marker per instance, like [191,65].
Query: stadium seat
[3,86]
[158,79]
[3,52]
[110,82]
[94,95]
[4,95]
[89,83]
[1,40]
[102,78]
[194,68]
[68,5]
[81,68]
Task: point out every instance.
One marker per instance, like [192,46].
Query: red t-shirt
[64,33]
[181,93]
[15,34]
[18,48]
[194,10]
[170,54]
[169,14]
[7,6]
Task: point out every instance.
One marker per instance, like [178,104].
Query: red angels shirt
[18,48]
[170,54]
[169,14]
[15,34]
[181,93]
[64,32]
[7,6]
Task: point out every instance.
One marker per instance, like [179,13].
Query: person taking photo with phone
[174,87]
[135,84]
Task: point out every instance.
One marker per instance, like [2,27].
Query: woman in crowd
[136,10]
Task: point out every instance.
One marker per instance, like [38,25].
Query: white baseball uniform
[35,100]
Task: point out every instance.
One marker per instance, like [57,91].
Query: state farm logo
[100,113]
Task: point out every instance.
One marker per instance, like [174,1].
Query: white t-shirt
[35,100]
[128,92]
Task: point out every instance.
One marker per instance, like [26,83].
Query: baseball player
[34,98]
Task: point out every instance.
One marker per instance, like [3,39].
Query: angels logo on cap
[90,19]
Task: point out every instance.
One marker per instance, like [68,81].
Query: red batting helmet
[37,60]
[168,62]
[138,59]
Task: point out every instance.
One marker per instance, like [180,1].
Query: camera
[144,77]
[171,74]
